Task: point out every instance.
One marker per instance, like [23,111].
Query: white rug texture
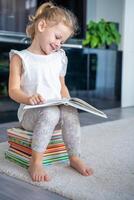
[108,148]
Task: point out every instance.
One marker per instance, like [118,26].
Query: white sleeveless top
[40,74]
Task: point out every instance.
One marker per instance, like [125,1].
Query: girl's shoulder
[13,52]
[62,53]
[63,56]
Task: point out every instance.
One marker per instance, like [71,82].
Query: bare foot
[38,173]
[80,166]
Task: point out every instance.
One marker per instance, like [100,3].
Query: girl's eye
[57,37]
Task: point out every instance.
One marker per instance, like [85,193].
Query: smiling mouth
[53,48]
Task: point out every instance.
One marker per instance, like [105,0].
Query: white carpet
[109,149]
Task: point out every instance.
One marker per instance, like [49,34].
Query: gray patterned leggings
[42,121]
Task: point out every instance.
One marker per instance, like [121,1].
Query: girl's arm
[64,89]
[15,91]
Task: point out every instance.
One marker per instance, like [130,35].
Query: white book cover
[74,102]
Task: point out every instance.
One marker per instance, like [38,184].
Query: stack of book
[20,148]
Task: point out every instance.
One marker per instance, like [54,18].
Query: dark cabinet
[95,75]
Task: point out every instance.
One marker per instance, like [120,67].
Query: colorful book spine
[20,148]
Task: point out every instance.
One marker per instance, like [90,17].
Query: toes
[39,178]
[89,172]
[85,173]
[81,167]
[34,177]
[46,177]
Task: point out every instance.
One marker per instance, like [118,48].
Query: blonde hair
[53,15]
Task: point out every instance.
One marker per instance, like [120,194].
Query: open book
[74,102]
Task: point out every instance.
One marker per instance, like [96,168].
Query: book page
[51,102]
[80,102]
[82,105]
[74,102]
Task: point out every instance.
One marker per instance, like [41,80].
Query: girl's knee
[69,115]
[69,110]
[51,114]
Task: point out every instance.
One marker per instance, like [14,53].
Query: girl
[37,75]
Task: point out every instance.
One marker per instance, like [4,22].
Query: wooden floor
[12,189]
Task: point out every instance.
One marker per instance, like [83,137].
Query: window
[14,14]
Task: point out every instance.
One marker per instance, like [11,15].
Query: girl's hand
[36,99]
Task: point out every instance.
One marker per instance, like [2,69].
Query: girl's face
[50,38]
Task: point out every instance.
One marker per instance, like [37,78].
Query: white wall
[91,10]
[128,55]
[111,10]
[121,11]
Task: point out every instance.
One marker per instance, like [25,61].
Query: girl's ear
[41,25]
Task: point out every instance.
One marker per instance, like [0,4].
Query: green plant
[100,34]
